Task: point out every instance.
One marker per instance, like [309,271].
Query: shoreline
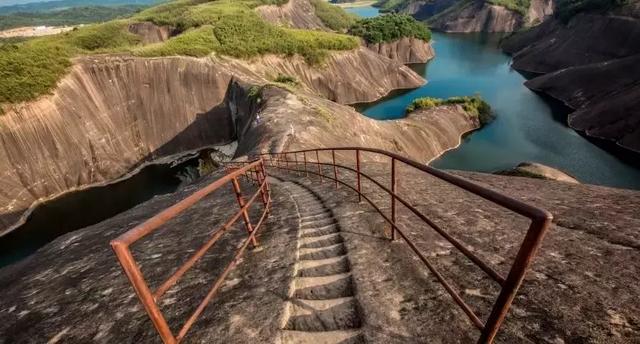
[356,4]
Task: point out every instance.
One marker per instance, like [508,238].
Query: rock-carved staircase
[322,307]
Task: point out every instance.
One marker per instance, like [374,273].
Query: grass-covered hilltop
[233,28]
[474,105]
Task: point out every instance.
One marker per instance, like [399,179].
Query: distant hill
[66,4]
[68,17]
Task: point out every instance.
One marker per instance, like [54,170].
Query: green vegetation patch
[389,28]
[286,79]
[68,17]
[333,16]
[390,5]
[567,9]
[230,27]
[519,6]
[474,105]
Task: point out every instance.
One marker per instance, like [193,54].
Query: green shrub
[230,27]
[30,69]
[389,27]
[333,16]
[519,6]
[197,42]
[286,79]
[111,36]
[473,105]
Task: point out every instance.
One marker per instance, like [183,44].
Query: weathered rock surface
[290,122]
[109,115]
[151,33]
[536,170]
[405,50]
[606,97]
[539,11]
[73,290]
[477,17]
[370,77]
[299,14]
[592,66]
[586,39]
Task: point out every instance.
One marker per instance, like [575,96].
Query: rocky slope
[583,285]
[295,13]
[590,64]
[290,121]
[540,171]
[475,16]
[112,114]
[405,50]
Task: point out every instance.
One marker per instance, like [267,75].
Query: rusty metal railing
[540,221]
[149,298]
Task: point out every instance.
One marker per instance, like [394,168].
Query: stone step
[323,315]
[328,337]
[318,222]
[322,252]
[310,233]
[320,241]
[323,267]
[324,287]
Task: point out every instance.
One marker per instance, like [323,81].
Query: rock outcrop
[540,171]
[405,50]
[477,17]
[290,121]
[370,77]
[74,291]
[110,115]
[586,39]
[152,33]
[590,64]
[300,14]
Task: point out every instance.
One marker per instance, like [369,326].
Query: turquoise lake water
[527,127]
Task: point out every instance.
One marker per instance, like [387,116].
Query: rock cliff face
[591,64]
[302,121]
[299,14]
[370,76]
[405,50]
[477,17]
[151,33]
[586,39]
[113,114]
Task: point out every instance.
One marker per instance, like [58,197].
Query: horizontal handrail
[121,246]
[540,222]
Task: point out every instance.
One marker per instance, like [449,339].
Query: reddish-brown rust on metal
[304,155]
[319,168]
[148,299]
[393,197]
[335,169]
[358,174]
[245,215]
[541,220]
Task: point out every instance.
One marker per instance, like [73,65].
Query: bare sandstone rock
[406,50]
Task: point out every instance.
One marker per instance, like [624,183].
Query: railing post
[245,215]
[319,168]
[335,169]
[393,199]
[262,178]
[132,270]
[295,156]
[286,161]
[358,174]
[524,257]
[304,156]
[267,186]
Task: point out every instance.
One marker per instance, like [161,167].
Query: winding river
[527,126]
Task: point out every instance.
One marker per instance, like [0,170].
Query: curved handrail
[148,298]
[540,222]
